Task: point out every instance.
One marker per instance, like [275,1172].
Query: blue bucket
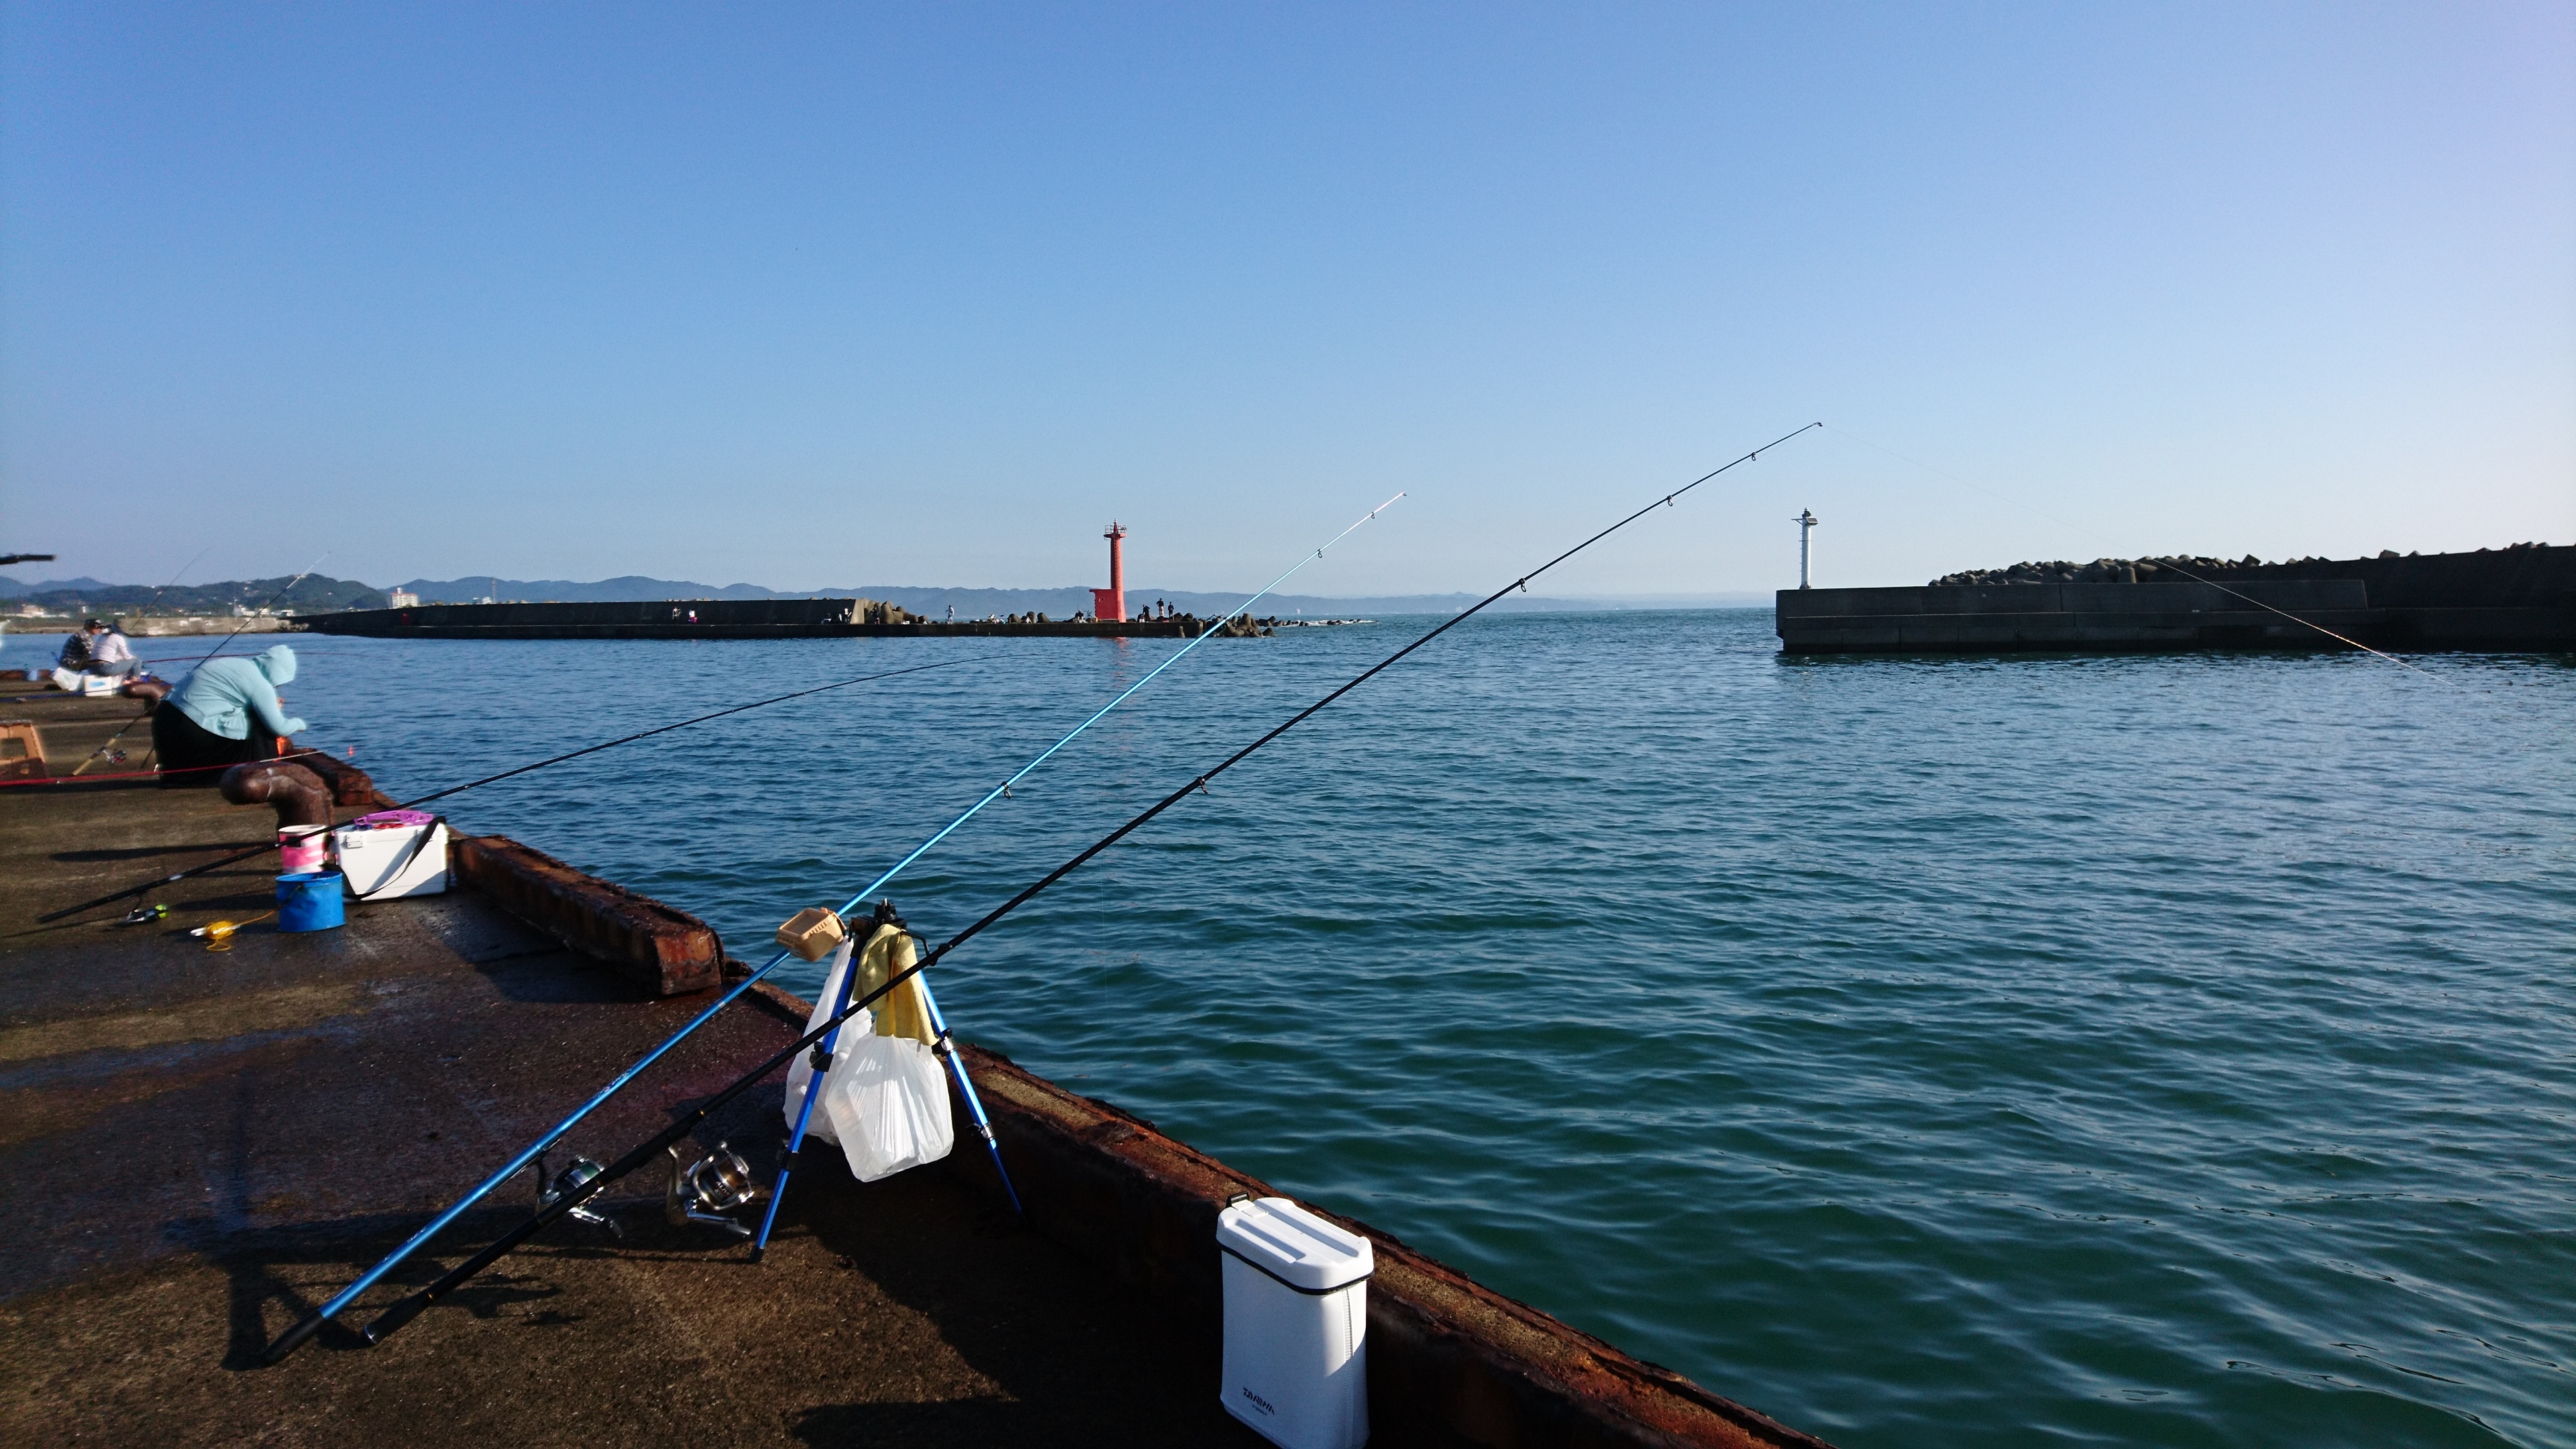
[309,901]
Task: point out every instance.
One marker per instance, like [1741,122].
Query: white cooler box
[397,853]
[1296,1324]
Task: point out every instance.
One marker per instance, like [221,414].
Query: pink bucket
[303,848]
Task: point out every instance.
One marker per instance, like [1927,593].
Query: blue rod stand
[821,1062]
[311,1324]
[966,1089]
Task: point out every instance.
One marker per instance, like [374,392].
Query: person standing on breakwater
[227,713]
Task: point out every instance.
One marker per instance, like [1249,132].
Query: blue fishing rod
[592,1184]
[942,1043]
[311,1324]
[849,976]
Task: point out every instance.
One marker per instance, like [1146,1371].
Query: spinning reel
[581,1171]
[707,1189]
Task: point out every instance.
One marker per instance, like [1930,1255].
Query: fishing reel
[704,1191]
[581,1171]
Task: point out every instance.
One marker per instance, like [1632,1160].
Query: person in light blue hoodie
[225,725]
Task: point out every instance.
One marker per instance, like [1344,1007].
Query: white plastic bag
[889,1105]
[800,1068]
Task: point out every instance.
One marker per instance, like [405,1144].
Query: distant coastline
[319,595]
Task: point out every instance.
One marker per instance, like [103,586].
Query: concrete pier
[2284,613]
[201,1146]
[734,619]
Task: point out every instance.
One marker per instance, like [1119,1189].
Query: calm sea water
[2162,1050]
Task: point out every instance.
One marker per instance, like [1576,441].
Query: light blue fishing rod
[824,1050]
[823,1058]
[294,1337]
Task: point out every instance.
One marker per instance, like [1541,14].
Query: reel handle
[395,1317]
[294,1338]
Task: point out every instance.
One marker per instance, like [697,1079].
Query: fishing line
[2160,563]
[157,774]
[109,748]
[505,774]
[403,1310]
[294,1337]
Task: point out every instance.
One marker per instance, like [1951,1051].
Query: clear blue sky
[815,296]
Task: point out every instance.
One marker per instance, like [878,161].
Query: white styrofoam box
[76,682]
[384,862]
[1296,1324]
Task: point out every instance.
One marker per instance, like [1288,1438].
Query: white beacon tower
[1806,521]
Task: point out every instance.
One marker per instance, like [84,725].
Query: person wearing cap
[225,726]
[110,653]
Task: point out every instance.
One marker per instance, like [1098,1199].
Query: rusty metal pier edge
[1450,1362]
[666,951]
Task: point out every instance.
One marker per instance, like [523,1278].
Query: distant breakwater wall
[2522,598]
[736,619]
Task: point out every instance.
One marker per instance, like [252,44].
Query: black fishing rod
[103,751]
[506,774]
[228,638]
[409,1307]
[312,1323]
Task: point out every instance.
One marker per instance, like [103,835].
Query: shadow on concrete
[979,1423]
[150,852]
[1063,1343]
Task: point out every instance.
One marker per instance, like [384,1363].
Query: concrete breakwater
[739,619]
[2521,598]
[161,626]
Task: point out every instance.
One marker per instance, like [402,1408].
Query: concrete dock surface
[201,1146]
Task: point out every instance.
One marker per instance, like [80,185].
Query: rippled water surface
[2161,1050]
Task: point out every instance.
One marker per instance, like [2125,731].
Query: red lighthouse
[1111,603]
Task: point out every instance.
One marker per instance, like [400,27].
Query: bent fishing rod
[405,1309]
[311,1324]
[504,775]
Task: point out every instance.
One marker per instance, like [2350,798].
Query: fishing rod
[156,598]
[312,1323]
[2167,564]
[105,750]
[405,1309]
[505,774]
[814,1084]
[155,774]
[271,602]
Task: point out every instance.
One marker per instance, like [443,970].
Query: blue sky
[816,296]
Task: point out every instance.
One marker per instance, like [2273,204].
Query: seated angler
[75,655]
[111,655]
[224,725]
[109,651]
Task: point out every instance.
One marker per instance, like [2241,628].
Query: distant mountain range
[319,594]
[311,594]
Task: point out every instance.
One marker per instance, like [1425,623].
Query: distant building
[400,599]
